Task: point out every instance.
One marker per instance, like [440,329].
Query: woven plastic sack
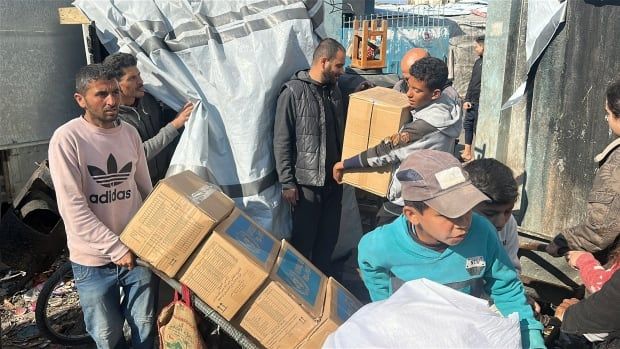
[177,325]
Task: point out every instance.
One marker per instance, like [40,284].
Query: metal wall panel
[551,137]
[38,61]
[567,125]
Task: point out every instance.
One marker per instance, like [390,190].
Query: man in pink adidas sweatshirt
[100,175]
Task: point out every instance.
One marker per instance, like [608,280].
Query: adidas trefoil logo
[111,179]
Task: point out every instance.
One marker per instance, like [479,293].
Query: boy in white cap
[439,238]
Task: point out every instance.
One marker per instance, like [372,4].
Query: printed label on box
[300,277]
[255,241]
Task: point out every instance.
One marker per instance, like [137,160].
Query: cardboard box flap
[247,235]
[198,191]
[301,279]
[343,304]
[383,96]
[340,304]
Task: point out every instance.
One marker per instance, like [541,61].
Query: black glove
[558,247]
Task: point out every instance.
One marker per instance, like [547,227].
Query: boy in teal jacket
[439,238]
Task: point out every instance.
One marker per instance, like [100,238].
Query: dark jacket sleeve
[473,90]
[597,314]
[284,139]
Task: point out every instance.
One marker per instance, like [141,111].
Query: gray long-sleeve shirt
[156,135]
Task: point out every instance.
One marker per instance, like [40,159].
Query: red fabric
[186,296]
[593,275]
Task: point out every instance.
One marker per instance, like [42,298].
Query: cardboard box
[174,219]
[340,304]
[373,115]
[231,264]
[289,307]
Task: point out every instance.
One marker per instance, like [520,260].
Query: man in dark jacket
[308,135]
[143,112]
[472,99]
[595,317]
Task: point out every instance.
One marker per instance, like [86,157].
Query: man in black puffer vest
[308,135]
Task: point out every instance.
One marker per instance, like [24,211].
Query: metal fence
[423,27]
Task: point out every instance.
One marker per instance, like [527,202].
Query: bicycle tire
[44,323]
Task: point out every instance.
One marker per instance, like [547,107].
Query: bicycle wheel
[58,313]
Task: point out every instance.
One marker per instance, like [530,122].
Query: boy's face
[419,94]
[498,214]
[432,228]
[479,49]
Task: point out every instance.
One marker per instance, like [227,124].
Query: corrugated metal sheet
[567,126]
[550,139]
[38,61]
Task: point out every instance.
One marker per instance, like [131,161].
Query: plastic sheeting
[543,19]
[207,52]
[425,314]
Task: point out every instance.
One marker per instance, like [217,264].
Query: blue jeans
[99,289]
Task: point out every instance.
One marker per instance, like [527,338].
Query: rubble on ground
[17,313]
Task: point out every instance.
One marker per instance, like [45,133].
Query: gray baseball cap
[438,179]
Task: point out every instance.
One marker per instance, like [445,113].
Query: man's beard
[329,77]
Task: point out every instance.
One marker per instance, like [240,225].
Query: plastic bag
[425,314]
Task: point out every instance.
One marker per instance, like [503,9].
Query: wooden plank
[365,37]
[72,15]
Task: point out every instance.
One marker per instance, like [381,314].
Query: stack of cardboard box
[192,232]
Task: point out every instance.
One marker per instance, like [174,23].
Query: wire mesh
[423,27]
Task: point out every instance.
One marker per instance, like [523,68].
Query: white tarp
[425,314]
[230,58]
[543,19]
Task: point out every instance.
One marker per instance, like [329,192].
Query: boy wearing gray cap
[439,238]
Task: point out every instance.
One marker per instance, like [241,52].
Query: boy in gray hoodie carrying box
[436,124]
